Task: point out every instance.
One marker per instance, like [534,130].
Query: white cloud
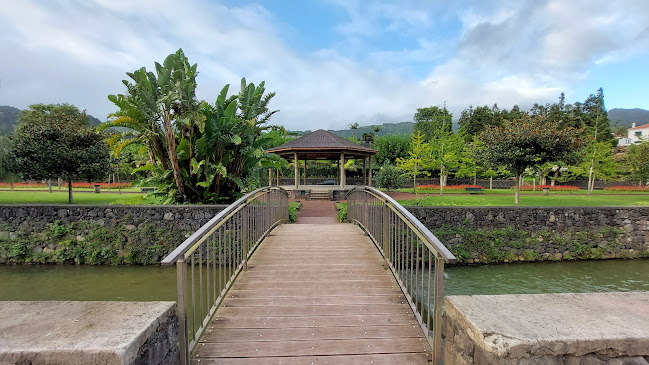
[507,52]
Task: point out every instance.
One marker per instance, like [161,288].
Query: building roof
[322,144]
[644,126]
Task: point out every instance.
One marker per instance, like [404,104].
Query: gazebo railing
[414,255]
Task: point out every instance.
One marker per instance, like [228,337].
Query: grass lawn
[61,197]
[65,189]
[511,192]
[527,200]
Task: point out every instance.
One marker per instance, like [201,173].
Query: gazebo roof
[322,144]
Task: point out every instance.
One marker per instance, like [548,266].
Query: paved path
[317,212]
[314,294]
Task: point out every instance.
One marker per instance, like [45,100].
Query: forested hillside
[626,117]
[9,117]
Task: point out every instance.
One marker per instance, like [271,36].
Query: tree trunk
[519,178]
[533,184]
[414,182]
[475,179]
[171,150]
[590,177]
[59,182]
[49,185]
[11,183]
[70,200]
[441,180]
[491,182]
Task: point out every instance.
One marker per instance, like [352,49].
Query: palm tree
[354,127]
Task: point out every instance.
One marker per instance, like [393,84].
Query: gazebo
[324,145]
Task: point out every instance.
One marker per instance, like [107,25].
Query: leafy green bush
[293,209]
[389,177]
[342,213]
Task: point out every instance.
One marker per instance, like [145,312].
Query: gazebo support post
[342,170]
[270,177]
[296,162]
[278,176]
[305,172]
[364,172]
[369,182]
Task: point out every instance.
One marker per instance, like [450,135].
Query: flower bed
[627,188]
[555,188]
[74,185]
[447,187]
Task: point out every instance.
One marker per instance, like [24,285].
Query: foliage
[7,163]
[473,121]
[529,142]
[342,213]
[554,188]
[390,147]
[448,187]
[293,210]
[198,152]
[531,199]
[419,159]
[55,141]
[433,121]
[389,177]
[446,151]
[636,160]
[627,188]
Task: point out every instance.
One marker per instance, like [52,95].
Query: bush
[555,188]
[293,209]
[627,188]
[447,187]
[389,177]
[342,213]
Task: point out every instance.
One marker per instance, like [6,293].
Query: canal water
[151,283]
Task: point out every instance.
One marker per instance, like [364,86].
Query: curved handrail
[215,223]
[424,233]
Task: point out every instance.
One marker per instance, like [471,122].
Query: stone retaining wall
[547,329]
[504,234]
[108,234]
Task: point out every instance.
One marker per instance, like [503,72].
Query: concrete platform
[546,328]
[73,333]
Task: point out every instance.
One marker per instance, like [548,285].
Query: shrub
[389,177]
[627,188]
[293,209]
[342,213]
[555,188]
[447,187]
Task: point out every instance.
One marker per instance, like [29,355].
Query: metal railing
[412,253]
[210,260]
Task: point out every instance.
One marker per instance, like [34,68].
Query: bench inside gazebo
[323,145]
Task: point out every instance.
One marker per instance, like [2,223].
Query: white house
[635,135]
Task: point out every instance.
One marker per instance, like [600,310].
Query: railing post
[438,297]
[181,274]
[245,225]
[385,240]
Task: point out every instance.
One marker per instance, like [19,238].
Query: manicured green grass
[527,200]
[65,189]
[61,197]
[511,192]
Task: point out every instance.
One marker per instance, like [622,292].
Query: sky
[333,62]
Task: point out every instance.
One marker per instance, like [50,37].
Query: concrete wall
[79,333]
[503,234]
[547,329]
[108,234]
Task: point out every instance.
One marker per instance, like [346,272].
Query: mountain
[386,128]
[625,117]
[9,117]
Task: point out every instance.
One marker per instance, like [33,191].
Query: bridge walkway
[314,294]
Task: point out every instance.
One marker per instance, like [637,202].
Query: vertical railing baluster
[430,263]
[181,282]
[193,300]
[437,308]
[200,280]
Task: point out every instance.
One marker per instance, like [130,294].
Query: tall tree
[419,159]
[446,154]
[529,142]
[354,127]
[433,121]
[57,141]
[390,147]
[8,171]
[473,121]
[636,160]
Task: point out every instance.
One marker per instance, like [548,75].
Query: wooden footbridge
[364,293]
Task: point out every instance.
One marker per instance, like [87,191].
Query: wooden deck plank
[314,294]
[321,333]
[382,359]
[356,346]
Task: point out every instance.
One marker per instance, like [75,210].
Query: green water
[64,282]
[548,277]
[150,283]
